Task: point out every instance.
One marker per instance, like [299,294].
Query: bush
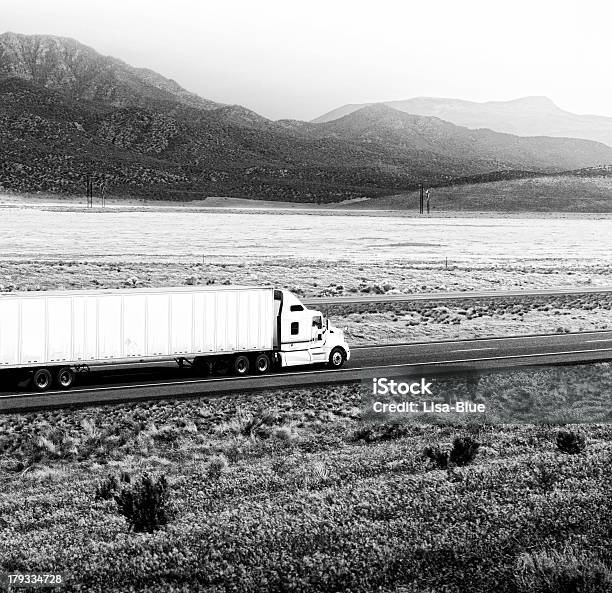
[570,442]
[315,476]
[51,445]
[439,456]
[216,465]
[286,433]
[561,572]
[145,504]
[107,488]
[463,452]
[380,432]
[545,476]
[247,424]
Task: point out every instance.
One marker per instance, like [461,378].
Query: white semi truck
[49,337]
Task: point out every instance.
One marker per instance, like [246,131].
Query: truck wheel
[42,379]
[336,358]
[64,378]
[262,364]
[241,365]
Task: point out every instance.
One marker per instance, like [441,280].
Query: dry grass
[306,506]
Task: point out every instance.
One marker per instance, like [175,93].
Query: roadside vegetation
[304,490]
[308,277]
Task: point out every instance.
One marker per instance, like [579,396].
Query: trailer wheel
[262,364]
[241,365]
[336,358]
[65,377]
[42,379]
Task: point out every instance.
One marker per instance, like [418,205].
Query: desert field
[300,490]
[158,234]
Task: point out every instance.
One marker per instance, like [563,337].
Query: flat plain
[157,234]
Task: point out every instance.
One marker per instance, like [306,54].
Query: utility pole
[89,192]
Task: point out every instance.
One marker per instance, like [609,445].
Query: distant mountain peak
[526,116]
[535,103]
[241,115]
[534,100]
[77,70]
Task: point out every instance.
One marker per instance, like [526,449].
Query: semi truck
[48,338]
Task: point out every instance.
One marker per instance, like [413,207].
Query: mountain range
[528,116]
[67,113]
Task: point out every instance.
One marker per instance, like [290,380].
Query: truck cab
[304,337]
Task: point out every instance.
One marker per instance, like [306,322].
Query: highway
[425,359]
[454,295]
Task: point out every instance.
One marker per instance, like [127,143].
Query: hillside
[575,192]
[65,65]
[528,116]
[67,113]
[493,150]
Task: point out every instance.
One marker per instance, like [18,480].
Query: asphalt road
[435,296]
[408,359]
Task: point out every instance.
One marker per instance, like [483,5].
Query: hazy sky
[288,59]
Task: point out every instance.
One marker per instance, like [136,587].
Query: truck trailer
[48,338]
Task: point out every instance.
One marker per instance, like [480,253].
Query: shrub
[254,425]
[568,571]
[286,433]
[570,442]
[52,444]
[107,488]
[233,450]
[167,434]
[464,450]
[387,431]
[281,465]
[91,440]
[145,504]
[439,457]
[315,476]
[364,433]
[545,476]
[216,465]
[247,424]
